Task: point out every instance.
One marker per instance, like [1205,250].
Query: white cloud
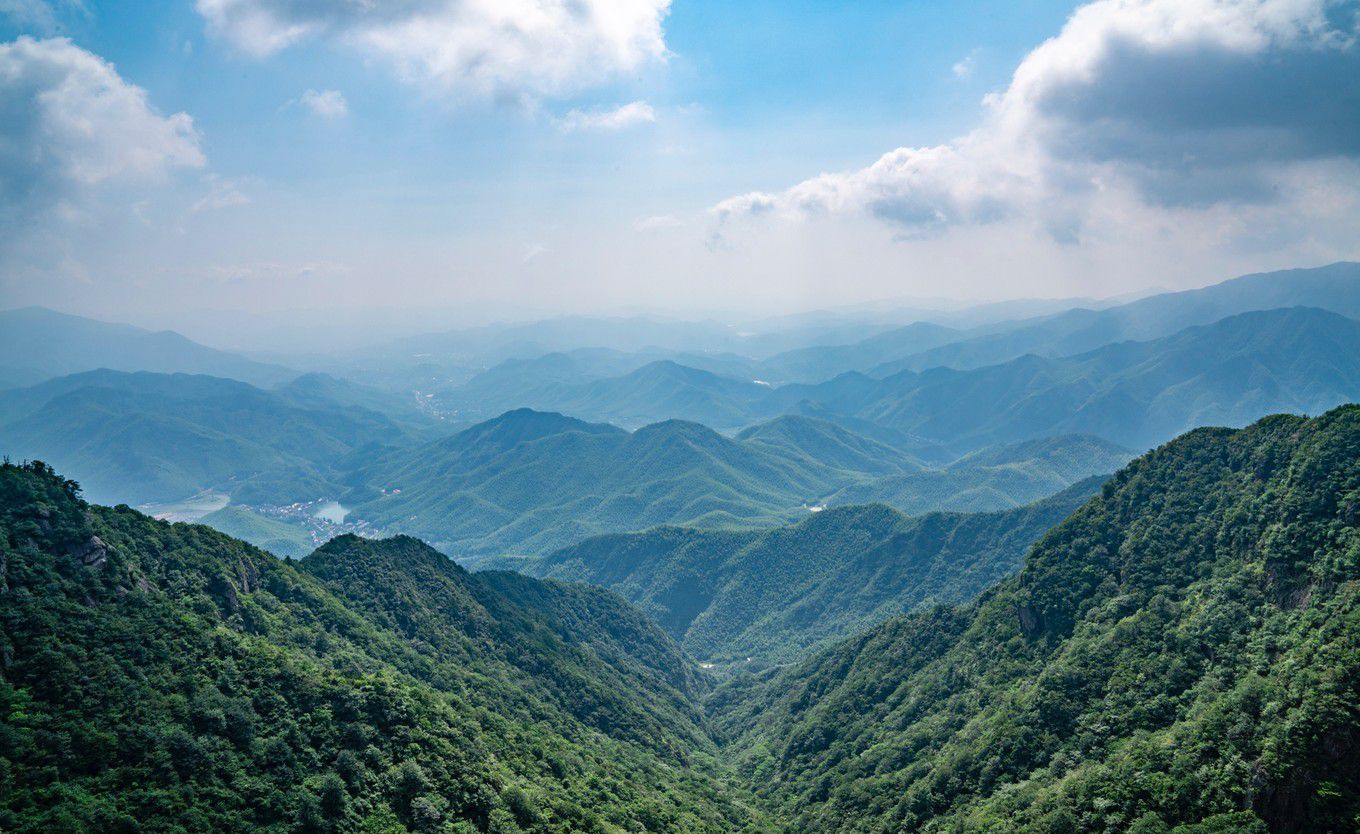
[222,193]
[328,104]
[965,66]
[1159,107]
[508,49]
[69,124]
[627,115]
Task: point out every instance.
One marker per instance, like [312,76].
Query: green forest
[1181,654]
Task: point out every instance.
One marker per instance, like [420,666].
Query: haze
[182,164]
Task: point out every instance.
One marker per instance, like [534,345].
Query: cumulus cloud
[69,123]
[328,104]
[1175,105]
[627,115]
[510,49]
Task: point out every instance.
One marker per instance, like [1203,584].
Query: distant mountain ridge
[1335,288]
[143,437]
[1136,394]
[38,344]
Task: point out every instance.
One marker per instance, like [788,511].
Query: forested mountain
[1335,288]
[166,678]
[821,362]
[993,478]
[157,437]
[37,344]
[1180,653]
[529,482]
[781,594]
[1135,394]
[835,445]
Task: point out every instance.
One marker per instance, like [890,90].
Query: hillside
[142,437]
[993,478]
[831,444]
[781,594]
[1182,651]
[164,678]
[1335,288]
[529,482]
[38,344]
[1135,394]
[277,537]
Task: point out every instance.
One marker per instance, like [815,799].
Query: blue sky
[421,187]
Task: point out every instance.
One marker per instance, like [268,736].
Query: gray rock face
[92,552]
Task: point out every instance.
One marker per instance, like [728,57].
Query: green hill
[993,478]
[781,594]
[1135,394]
[1183,653]
[279,538]
[167,678]
[831,444]
[145,437]
[529,482]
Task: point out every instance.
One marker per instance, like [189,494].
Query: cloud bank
[500,49]
[1137,109]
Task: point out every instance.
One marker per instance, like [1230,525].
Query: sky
[502,158]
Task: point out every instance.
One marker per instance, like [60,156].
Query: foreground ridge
[1183,653]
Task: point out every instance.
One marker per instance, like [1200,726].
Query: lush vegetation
[1135,394]
[142,437]
[776,595]
[1182,654]
[994,478]
[167,678]
[278,537]
[530,482]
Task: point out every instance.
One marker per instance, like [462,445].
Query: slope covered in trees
[1183,653]
[994,478]
[166,678]
[781,594]
[143,437]
[1135,394]
[531,482]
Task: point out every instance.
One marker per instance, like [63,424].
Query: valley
[600,589]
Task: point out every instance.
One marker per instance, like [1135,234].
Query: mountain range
[143,437]
[37,344]
[530,482]
[776,595]
[708,444]
[1178,655]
